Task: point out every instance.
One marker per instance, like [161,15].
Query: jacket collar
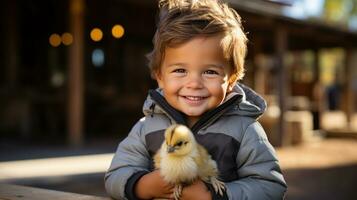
[241,101]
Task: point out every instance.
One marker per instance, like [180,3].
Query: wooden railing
[16,192]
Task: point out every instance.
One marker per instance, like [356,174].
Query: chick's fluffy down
[181,160]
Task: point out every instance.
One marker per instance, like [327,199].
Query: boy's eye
[210,72]
[179,71]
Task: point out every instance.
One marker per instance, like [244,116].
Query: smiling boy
[194,76]
[198,57]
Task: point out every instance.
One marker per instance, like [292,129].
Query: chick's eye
[179,144]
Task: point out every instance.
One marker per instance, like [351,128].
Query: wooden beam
[17,192]
[75,74]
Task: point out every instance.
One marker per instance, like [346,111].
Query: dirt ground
[324,169]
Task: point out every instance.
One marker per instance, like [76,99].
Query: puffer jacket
[246,160]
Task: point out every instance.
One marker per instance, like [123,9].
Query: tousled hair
[182,20]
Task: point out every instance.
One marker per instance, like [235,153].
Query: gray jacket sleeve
[131,157]
[260,177]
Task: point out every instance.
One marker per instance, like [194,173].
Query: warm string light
[96,34]
[67,39]
[55,39]
[118,31]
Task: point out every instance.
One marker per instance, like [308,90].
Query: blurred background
[73,78]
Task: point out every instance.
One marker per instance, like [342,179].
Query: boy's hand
[196,191]
[152,185]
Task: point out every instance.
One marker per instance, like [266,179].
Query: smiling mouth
[194,98]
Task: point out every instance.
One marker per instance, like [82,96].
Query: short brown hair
[182,20]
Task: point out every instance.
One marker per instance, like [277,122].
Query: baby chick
[181,160]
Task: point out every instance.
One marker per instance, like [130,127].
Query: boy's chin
[193,114]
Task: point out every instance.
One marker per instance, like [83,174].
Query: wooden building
[88,88]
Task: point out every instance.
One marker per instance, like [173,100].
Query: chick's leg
[177,191]
[218,185]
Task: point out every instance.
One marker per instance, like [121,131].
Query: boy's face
[194,76]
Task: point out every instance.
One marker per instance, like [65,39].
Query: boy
[198,57]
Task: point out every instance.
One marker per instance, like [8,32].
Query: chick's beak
[170,149]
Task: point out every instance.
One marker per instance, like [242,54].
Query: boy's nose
[194,81]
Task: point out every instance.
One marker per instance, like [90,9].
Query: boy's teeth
[193,98]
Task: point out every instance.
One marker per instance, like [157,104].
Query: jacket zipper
[212,115]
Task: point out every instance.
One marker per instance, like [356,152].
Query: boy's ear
[158,78]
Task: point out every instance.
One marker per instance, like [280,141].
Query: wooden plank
[17,192]
[342,133]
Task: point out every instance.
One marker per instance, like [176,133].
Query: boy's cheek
[160,84]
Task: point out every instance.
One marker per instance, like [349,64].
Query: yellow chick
[181,160]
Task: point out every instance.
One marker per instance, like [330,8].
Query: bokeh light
[96,34]
[55,40]
[98,57]
[67,39]
[118,31]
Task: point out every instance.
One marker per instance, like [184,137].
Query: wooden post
[10,23]
[282,81]
[316,67]
[348,85]
[260,70]
[75,74]
[317,93]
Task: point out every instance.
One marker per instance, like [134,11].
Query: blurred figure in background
[318,103]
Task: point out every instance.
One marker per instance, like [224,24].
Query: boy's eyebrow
[176,64]
[218,65]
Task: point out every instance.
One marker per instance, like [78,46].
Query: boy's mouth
[194,98]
